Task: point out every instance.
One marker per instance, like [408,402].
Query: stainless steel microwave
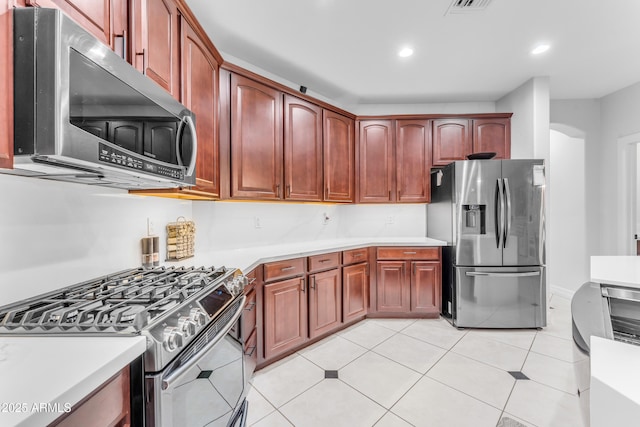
[83,114]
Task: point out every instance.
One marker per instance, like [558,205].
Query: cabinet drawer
[249,316]
[324,261]
[281,269]
[408,253]
[355,255]
[108,406]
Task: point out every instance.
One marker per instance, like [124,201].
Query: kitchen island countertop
[42,376]
[616,270]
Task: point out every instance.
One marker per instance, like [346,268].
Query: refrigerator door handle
[512,274]
[507,216]
[499,212]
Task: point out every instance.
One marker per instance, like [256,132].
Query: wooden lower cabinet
[391,287]
[425,287]
[355,286]
[285,315]
[408,281]
[325,302]
[109,405]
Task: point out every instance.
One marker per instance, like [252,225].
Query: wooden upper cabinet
[256,140]
[451,140]
[199,70]
[413,160]
[338,156]
[6,84]
[492,135]
[302,150]
[375,161]
[93,15]
[155,43]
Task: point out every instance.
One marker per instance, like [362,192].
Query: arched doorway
[568,257]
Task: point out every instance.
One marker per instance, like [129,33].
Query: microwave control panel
[123,158]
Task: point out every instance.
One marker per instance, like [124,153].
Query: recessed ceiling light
[541,48]
[405,51]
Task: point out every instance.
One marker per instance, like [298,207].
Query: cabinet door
[126,134]
[155,42]
[413,160]
[110,405]
[492,135]
[375,162]
[392,287]
[425,287]
[6,84]
[451,141]
[93,15]
[302,150]
[200,95]
[325,302]
[256,140]
[339,174]
[355,284]
[285,316]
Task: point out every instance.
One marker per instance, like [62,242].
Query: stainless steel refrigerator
[491,214]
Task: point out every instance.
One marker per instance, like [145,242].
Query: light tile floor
[398,372]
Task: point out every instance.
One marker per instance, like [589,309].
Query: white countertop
[248,258]
[59,371]
[615,395]
[616,270]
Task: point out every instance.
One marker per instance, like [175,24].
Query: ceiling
[346,50]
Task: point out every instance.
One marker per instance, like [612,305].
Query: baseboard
[562,292]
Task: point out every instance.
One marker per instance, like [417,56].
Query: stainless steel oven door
[207,388]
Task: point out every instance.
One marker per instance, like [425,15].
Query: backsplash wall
[232,225]
[56,234]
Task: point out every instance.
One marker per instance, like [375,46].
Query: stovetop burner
[127,301]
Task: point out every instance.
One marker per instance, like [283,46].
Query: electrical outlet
[151,227]
[391,219]
[325,219]
[257,223]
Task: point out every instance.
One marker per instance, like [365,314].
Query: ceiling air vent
[467,6]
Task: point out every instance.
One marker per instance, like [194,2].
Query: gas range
[170,306]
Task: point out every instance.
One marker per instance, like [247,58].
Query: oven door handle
[173,376]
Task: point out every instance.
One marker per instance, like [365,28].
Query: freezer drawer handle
[514,274]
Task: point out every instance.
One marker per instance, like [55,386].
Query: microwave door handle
[194,149]
[179,143]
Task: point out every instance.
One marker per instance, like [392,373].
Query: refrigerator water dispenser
[475,219]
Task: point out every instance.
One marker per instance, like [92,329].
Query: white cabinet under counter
[45,377]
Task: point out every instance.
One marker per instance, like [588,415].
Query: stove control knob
[198,316]
[172,338]
[186,326]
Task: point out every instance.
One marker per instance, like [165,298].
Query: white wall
[530,135]
[57,234]
[620,117]
[581,118]
[568,230]
[434,108]
[530,121]
[232,225]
